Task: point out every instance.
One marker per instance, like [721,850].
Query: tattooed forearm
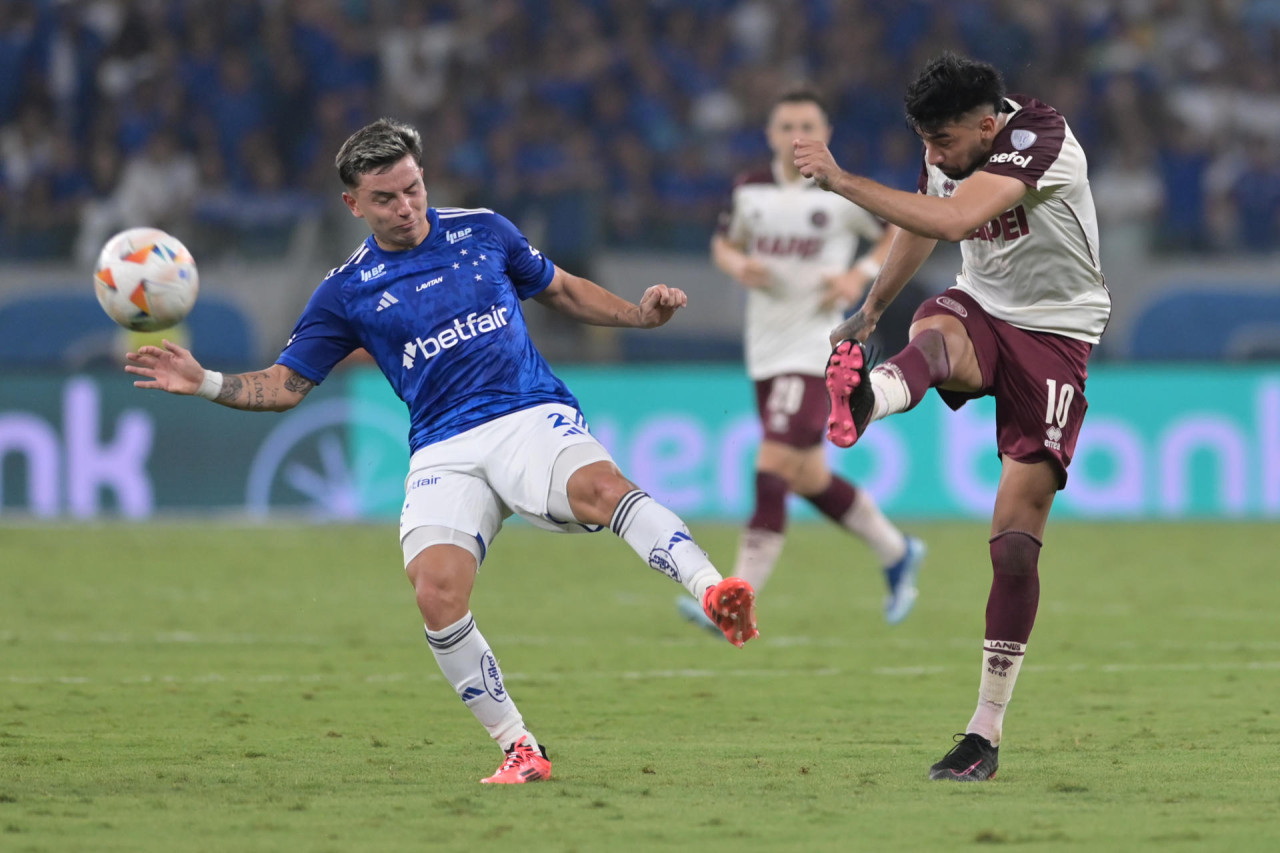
[298,384]
[231,388]
[258,397]
[273,390]
[243,391]
[857,328]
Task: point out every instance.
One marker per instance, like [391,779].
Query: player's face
[394,203]
[789,122]
[960,148]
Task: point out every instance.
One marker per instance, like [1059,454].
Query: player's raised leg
[940,353]
[851,394]
[598,493]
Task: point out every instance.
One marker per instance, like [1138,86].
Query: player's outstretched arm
[174,369]
[588,302]
[979,198]
[907,252]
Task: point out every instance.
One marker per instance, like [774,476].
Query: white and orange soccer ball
[146,280]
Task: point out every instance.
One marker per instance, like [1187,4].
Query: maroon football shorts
[1037,379]
[793,409]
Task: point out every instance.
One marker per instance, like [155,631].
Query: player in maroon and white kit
[792,247]
[1005,177]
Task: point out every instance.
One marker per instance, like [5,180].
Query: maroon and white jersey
[1036,265]
[801,233]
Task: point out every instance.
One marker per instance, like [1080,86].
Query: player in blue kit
[434,296]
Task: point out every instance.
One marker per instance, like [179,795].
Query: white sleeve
[864,224]
[737,231]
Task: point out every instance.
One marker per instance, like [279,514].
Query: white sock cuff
[1008,647]
[1001,661]
[661,539]
[627,510]
[891,392]
[444,640]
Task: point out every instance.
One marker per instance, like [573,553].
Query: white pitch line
[635,675]
[683,640]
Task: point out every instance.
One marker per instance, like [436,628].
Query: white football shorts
[463,487]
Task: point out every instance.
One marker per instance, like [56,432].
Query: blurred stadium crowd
[613,122]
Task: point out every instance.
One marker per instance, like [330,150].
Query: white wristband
[868,267]
[210,385]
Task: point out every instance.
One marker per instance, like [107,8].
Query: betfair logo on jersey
[455,236]
[1019,160]
[463,329]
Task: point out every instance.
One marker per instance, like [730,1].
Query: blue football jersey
[442,320]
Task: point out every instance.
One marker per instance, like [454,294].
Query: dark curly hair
[950,86]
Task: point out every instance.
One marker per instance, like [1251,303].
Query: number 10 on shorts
[1059,403]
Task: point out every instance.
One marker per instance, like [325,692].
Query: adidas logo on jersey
[387,300]
[462,330]
[376,272]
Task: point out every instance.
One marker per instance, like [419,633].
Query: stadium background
[610,132]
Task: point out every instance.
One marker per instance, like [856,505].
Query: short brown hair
[375,148]
[803,95]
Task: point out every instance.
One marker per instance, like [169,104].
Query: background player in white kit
[791,245]
[434,296]
[1005,177]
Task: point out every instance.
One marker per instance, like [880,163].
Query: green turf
[239,688]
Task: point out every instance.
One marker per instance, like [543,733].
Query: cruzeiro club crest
[660,558]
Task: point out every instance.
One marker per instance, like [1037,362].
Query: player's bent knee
[1024,497]
[442,572]
[595,493]
[954,340]
[585,485]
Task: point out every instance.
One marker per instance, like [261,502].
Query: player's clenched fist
[814,160]
[659,303]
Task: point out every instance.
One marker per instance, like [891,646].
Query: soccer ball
[146,280]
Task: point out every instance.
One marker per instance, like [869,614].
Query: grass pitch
[240,688]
